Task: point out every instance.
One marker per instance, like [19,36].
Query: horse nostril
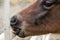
[13,21]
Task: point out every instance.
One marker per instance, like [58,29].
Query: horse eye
[47,4]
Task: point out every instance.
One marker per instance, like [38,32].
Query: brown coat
[37,20]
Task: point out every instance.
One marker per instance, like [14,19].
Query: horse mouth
[19,33]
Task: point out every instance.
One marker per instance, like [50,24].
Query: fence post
[6,19]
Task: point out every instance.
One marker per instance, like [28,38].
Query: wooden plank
[6,19]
